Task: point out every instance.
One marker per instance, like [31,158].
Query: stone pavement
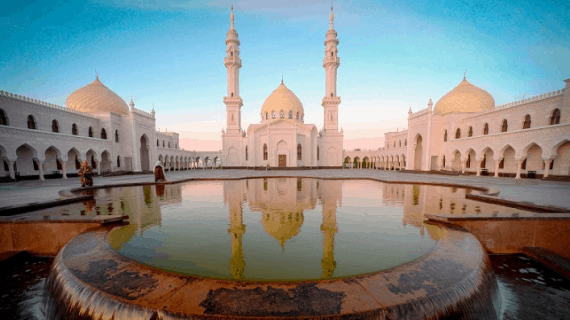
[555,193]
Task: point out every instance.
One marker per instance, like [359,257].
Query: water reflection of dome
[282,226]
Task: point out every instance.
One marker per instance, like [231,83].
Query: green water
[281,229]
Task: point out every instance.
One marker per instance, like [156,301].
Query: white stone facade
[282,139]
[39,139]
[507,140]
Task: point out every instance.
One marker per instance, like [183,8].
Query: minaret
[233,196]
[233,100]
[331,63]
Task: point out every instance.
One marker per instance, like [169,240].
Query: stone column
[63,168]
[463,166]
[497,162]
[519,165]
[547,167]
[478,167]
[41,167]
[98,166]
[11,169]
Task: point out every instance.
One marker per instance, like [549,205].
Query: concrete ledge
[511,233]
[34,206]
[515,204]
[550,259]
[46,236]
[456,276]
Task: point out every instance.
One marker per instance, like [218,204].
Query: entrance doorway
[282,160]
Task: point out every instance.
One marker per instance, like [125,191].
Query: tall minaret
[331,63]
[233,100]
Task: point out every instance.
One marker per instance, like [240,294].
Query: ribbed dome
[464,98]
[96,97]
[283,226]
[282,99]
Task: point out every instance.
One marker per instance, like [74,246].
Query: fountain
[278,248]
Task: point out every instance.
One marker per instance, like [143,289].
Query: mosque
[465,132]
[282,139]
[40,139]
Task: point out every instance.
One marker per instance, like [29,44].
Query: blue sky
[394,54]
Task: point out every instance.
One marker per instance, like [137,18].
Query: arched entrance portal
[145,166]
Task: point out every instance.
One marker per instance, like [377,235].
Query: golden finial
[96,75]
[465,74]
[281,77]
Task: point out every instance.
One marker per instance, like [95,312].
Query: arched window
[299,152]
[103,134]
[290,114]
[169,144]
[273,115]
[118,161]
[317,153]
[246,155]
[74,130]
[331,94]
[399,143]
[332,54]
[297,115]
[526,124]
[163,145]
[157,143]
[265,151]
[555,118]
[54,126]
[3,118]
[231,53]
[484,162]
[470,133]
[486,129]
[282,114]
[266,115]
[117,135]
[394,144]
[90,132]
[405,142]
[443,162]
[458,133]
[505,126]
[31,122]
[175,146]
[445,136]
[232,94]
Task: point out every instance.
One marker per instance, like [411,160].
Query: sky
[395,55]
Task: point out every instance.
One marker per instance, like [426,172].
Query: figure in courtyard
[86,174]
[159,172]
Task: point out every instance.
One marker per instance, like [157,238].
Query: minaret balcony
[331,61]
[233,101]
[331,101]
[235,61]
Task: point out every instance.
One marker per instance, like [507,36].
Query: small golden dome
[282,226]
[96,97]
[464,98]
[282,99]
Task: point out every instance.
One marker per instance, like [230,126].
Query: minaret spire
[331,63]
[331,19]
[232,18]
[465,75]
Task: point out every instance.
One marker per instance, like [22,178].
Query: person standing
[86,174]
[159,172]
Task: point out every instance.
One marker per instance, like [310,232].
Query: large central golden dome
[464,98]
[96,97]
[282,99]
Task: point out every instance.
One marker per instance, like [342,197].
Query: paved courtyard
[555,193]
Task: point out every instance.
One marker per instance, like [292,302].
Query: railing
[43,103]
[520,102]
[144,113]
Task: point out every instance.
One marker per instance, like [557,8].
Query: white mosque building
[282,139]
[40,139]
[467,133]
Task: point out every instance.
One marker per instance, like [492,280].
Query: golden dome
[282,226]
[282,99]
[96,97]
[464,98]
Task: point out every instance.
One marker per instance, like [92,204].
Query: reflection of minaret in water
[330,193]
[233,195]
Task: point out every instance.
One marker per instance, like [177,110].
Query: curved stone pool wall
[90,280]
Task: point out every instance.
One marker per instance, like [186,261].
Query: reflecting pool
[280,229]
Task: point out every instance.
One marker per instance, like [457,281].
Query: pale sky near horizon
[394,55]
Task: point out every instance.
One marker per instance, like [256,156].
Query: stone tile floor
[555,193]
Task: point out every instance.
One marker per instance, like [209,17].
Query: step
[552,260]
